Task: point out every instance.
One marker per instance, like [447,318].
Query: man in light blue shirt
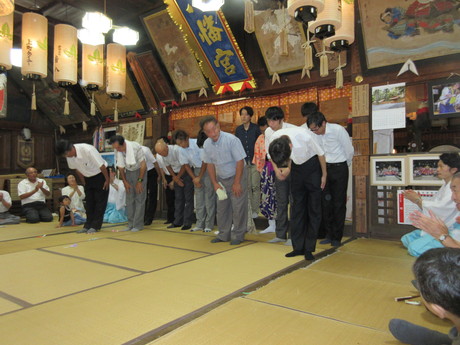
[224,154]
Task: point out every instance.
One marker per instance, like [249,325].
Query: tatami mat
[391,249]
[119,312]
[7,306]
[355,300]
[35,276]
[393,270]
[190,241]
[247,322]
[138,256]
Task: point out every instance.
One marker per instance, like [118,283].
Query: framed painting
[388,171]
[423,170]
[267,30]
[174,52]
[444,98]
[394,31]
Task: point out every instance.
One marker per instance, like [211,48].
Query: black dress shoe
[148,222]
[172,225]
[309,256]
[186,227]
[293,253]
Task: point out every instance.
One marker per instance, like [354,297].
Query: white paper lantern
[116,70]
[65,55]
[92,60]
[6,7]
[6,41]
[34,46]
[346,34]
[329,20]
[313,7]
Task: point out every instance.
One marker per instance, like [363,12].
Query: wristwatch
[140,179]
[442,238]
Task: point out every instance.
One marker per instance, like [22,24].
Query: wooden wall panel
[360,218]
[5,152]
[361,147]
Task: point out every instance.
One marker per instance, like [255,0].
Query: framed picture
[422,170]
[388,171]
[174,52]
[109,157]
[444,98]
[394,30]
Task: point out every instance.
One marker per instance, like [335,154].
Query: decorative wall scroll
[25,156]
[395,30]
[174,52]
[211,39]
[133,131]
[3,95]
[268,27]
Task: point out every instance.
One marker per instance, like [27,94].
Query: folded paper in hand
[221,193]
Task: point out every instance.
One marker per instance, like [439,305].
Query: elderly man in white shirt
[295,152]
[336,143]
[275,120]
[153,171]
[91,169]
[33,192]
[183,208]
[132,167]
[168,186]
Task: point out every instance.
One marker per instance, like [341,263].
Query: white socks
[271,227]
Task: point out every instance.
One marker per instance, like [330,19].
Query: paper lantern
[116,73]
[305,10]
[6,41]
[6,7]
[34,46]
[92,70]
[328,21]
[346,34]
[92,66]
[65,55]
[116,70]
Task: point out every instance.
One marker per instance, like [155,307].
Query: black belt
[335,164]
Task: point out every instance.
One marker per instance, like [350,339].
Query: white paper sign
[389,106]
[406,207]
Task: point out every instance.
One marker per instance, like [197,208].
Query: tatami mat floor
[117,287]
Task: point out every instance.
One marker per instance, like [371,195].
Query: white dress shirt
[26,186]
[269,132]
[7,198]
[336,144]
[88,160]
[192,155]
[172,159]
[138,153]
[149,158]
[304,144]
[162,164]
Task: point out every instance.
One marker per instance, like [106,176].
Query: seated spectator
[66,215]
[438,278]
[5,204]
[33,192]
[115,211]
[76,193]
[442,206]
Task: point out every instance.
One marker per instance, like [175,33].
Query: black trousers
[151,199]
[96,201]
[184,202]
[306,204]
[36,211]
[170,200]
[334,200]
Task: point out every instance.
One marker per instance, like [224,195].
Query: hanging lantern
[346,34]
[325,25]
[305,10]
[92,70]
[116,73]
[6,7]
[6,41]
[65,59]
[34,49]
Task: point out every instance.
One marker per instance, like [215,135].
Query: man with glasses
[33,192]
[336,143]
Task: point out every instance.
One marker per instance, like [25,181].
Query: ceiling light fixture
[97,22]
[89,37]
[125,36]
[208,5]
